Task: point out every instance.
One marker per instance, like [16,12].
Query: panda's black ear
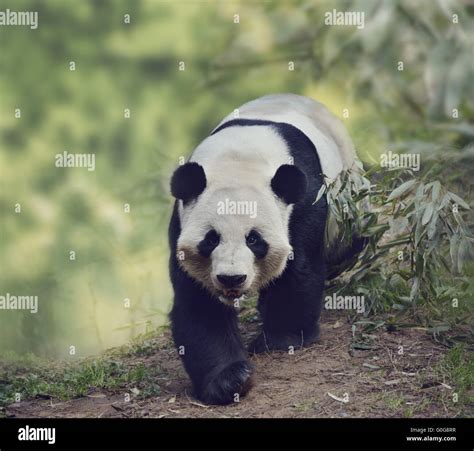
[289,183]
[188,182]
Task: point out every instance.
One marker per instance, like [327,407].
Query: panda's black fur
[205,330]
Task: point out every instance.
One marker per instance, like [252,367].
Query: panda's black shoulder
[302,149]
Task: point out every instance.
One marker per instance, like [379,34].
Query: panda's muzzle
[231,284]
[231,281]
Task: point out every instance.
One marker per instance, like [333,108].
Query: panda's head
[234,230]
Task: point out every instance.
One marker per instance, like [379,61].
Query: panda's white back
[235,154]
[328,134]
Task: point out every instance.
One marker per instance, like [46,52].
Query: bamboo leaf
[435,191]
[414,289]
[444,202]
[459,201]
[427,214]
[419,231]
[401,190]
[420,192]
[432,225]
[321,191]
[463,252]
[453,250]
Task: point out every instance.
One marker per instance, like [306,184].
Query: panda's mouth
[233,293]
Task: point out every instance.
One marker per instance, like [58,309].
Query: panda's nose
[231,281]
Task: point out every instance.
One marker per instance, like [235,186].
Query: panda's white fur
[239,166]
[327,133]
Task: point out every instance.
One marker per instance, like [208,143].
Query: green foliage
[418,245]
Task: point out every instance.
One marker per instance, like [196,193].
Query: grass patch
[394,402]
[120,369]
[456,369]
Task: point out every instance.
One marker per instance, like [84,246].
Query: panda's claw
[229,385]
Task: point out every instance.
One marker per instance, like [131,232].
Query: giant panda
[273,153]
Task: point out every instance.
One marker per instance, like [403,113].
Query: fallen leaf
[372,367]
[198,404]
[337,399]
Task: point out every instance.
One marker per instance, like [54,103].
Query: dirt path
[314,382]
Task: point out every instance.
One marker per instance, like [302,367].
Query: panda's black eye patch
[257,244]
[209,243]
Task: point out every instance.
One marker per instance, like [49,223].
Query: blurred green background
[123,255]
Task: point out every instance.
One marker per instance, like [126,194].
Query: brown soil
[313,382]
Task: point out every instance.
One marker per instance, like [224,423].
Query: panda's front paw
[231,383]
[268,341]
